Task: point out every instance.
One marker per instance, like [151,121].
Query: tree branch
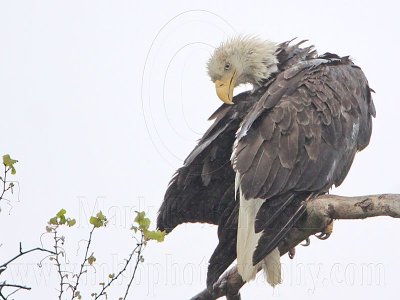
[4,266]
[320,211]
[83,264]
[16,286]
[21,253]
[139,250]
[58,252]
[4,180]
[114,278]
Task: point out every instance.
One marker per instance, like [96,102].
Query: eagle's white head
[241,60]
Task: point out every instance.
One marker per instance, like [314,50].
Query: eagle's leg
[326,233]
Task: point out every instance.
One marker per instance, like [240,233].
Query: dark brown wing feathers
[318,124]
[195,193]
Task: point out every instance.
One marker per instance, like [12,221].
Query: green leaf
[100,216]
[143,222]
[61,219]
[155,235]
[61,213]
[99,220]
[53,221]
[95,222]
[71,222]
[9,162]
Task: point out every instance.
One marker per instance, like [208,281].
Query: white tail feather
[272,267]
[247,241]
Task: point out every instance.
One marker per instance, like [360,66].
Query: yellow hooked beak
[225,86]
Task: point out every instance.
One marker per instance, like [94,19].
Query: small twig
[13,292]
[21,253]
[4,180]
[17,286]
[22,287]
[58,263]
[101,293]
[138,259]
[81,271]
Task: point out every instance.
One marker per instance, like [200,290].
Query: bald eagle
[269,150]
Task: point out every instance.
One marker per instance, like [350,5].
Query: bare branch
[15,286]
[139,252]
[8,285]
[4,180]
[105,286]
[320,212]
[81,270]
[56,257]
[4,266]
[21,253]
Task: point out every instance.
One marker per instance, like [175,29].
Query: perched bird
[271,149]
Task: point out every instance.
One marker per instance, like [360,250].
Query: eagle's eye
[227,66]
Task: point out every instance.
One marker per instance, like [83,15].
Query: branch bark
[321,211]
[4,266]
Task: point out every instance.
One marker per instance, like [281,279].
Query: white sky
[101,101]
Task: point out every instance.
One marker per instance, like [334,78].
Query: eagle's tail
[247,241]
[274,222]
[262,224]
